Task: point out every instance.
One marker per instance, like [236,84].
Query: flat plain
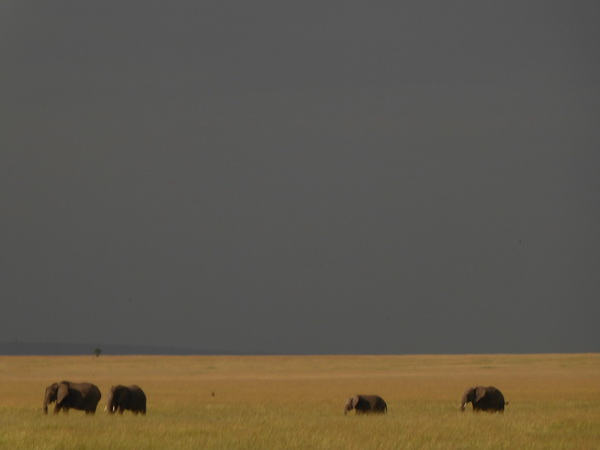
[296,402]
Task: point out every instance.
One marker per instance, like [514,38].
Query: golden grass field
[264,402]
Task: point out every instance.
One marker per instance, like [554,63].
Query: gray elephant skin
[483,399]
[67,395]
[366,404]
[123,398]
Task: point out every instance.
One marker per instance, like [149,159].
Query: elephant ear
[62,392]
[123,393]
[479,393]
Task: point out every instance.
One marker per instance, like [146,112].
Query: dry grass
[297,402]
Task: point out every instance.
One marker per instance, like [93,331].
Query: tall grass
[297,402]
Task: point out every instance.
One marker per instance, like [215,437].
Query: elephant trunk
[463,403]
[348,406]
[110,407]
[46,403]
[48,398]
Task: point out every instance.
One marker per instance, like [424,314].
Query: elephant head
[117,396]
[471,395]
[351,404]
[50,396]
[56,392]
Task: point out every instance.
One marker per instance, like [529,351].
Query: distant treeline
[38,348]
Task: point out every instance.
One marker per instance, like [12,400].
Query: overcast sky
[301,177]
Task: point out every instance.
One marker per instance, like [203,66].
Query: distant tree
[97,351]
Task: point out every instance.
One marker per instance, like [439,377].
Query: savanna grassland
[263,402]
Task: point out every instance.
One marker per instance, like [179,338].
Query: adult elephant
[67,395]
[126,397]
[366,404]
[483,399]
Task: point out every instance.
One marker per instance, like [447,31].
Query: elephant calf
[121,398]
[483,399]
[83,396]
[366,404]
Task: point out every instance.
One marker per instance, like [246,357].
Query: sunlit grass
[297,402]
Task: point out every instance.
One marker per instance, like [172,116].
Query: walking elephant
[483,399]
[121,398]
[366,404]
[82,396]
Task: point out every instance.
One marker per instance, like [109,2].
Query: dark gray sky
[301,177]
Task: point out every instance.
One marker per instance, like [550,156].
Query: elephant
[126,397]
[483,399]
[366,404]
[82,396]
